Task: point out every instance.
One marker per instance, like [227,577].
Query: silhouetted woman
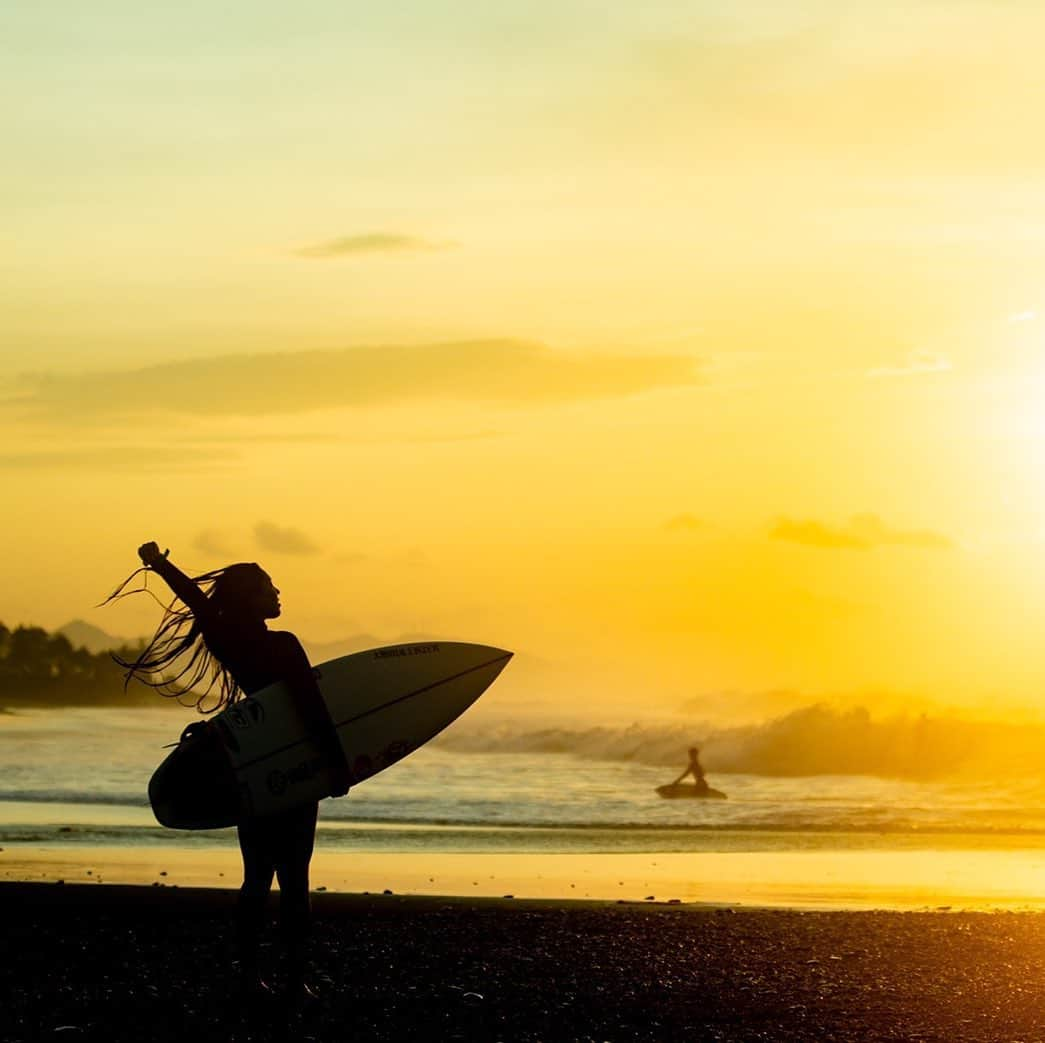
[215,634]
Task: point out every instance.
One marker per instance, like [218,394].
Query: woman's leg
[256,846]
[297,838]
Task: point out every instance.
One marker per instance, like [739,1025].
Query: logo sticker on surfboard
[404,650]
[246,713]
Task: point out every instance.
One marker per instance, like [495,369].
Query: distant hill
[82,634]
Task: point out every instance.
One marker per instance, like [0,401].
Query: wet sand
[828,879]
[115,962]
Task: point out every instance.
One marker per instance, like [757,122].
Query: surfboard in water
[683,790]
[257,758]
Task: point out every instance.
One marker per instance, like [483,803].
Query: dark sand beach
[136,963]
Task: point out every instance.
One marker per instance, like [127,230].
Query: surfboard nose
[487,661]
[499,653]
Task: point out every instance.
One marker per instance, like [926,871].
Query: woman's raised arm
[183,586]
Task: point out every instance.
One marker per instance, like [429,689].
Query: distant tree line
[42,669]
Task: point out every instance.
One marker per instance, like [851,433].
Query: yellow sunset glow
[681,352]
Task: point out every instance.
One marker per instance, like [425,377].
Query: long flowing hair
[177,661]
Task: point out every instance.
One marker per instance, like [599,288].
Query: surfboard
[688,790]
[257,757]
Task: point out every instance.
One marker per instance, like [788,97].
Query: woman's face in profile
[265,598]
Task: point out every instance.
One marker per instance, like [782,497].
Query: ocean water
[79,776]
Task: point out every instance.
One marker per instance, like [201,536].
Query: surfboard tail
[195,788]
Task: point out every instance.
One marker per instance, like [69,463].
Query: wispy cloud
[861,532]
[816,534]
[334,438]
[918,363]
[283,540]
[129,459]
[685,523]
[505,372]
[213,543]
[369,243]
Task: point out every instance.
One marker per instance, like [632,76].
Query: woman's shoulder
[282,637]
[285,641]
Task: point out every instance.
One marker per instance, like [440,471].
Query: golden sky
[684,348]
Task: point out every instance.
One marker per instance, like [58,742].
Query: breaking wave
[813,740]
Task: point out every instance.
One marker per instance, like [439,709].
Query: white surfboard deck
[385,702]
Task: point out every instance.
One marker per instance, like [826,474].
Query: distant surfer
[214,635]
[694,768]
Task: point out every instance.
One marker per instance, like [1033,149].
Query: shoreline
[325,904]
[811,880]
[120,963]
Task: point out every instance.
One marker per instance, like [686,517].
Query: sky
[683,348]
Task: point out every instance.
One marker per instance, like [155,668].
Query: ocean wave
[135,799]
[772,824]
[83,833]
[564,837]
[813,740]
[379,828]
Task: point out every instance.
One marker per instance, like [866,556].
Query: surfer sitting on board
[215,634]
[694,769]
